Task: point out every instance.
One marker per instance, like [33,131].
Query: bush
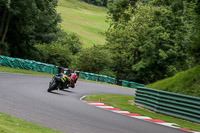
[95,60]
[54,54]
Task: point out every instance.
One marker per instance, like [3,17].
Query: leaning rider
[67,81]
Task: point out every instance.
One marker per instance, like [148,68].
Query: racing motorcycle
[56,84]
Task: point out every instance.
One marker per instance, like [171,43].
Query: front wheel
[52,86]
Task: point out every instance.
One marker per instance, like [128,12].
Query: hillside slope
[88,21]
[186,82]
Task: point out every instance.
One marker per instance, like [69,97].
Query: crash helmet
[72,78]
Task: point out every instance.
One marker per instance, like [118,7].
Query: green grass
[22,71]
[125,103]
[186,82]
[9,124]
[87,21]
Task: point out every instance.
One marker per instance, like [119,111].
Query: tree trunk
[6,28]
[2,22]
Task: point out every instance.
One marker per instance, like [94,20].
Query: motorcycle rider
[67,81]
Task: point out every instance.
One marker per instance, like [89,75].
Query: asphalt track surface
[26,97]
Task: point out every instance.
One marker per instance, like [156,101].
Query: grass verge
[186,82]
[23,71]
[9,124]
[125,103]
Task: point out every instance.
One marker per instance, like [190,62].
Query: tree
[148,47]
[22,27]
[194,38]
[121,9]
[5,19]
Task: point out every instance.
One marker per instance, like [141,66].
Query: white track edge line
[110,107]
[96,103]
[81,99]
[116,111]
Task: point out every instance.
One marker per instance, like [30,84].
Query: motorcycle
[55,84]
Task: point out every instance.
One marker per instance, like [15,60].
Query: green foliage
[95,60]
[47,20]
[22,25]
[149,46]
[193,21]
[185,82]
[194,47]
[189,12]
[72,42]
[4,49]
[121,9]
[54,53]
[152,41]
[59,52]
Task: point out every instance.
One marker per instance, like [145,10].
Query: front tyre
[52,86]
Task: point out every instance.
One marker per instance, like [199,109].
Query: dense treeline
[155,40]
[147,40]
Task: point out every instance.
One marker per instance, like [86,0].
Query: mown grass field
[125,103]
[87,21]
